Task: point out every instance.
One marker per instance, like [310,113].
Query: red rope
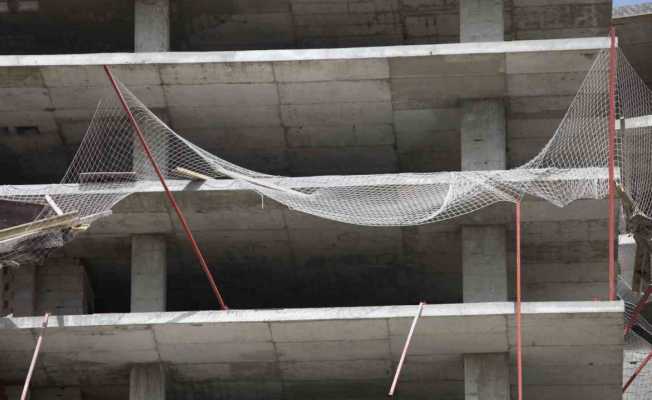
[37,349]
[612,165]
[638,371]
[168,193]
[517,305]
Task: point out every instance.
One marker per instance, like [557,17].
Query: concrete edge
[314,314]
[519,46]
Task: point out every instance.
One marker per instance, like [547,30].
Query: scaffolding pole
[168,193]
[405,349]
[612,164]
[517,305]
[32,365]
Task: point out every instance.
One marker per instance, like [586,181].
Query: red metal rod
[638,371]
[405,349]
[517,305]
[168,193]
[637,310]
[37,349]
[612,165]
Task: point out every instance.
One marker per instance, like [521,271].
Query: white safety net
[110,164]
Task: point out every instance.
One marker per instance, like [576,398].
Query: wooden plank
[195,176]
[59,221]
[53,204]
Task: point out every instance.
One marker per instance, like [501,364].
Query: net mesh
[110,164]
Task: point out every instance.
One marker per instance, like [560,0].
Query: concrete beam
[481,21]
[148,273]
[520,46]
[152,25]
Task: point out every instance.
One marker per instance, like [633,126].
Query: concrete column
[481,21]
[147,382]
[484,254]
[148,273]
[483,135]
[152,30]
[486,377]
[484,263]
[24,291]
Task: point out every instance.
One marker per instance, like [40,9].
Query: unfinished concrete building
[318,309]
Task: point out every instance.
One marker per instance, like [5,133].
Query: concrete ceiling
[297,112]
[571,350]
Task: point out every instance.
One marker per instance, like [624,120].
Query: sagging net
[110,164]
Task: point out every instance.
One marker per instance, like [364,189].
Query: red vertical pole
[612,165]
[168,193]
[638,371]
[517,305]
[32,365]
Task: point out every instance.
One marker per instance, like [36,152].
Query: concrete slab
[310,347]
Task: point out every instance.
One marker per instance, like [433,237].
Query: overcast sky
[628,2]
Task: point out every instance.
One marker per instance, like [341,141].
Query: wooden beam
[60,221]
[53,205]
[195,176]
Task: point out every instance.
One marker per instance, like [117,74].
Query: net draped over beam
[110,164]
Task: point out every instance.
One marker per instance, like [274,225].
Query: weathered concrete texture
[298,353]
[152,25]
[301,112]
[270,256]
[148,273]
[484,263]
[482,21]
[483,133]
[486,376]
[635,39]
[147,382]
[52,393]
[99,26]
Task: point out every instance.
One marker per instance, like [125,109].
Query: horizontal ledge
[314,314]
[441,178]
[518,46]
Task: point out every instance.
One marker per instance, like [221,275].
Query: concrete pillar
[483,135]
[484,263]
[148,273]
[486,377]
[147,382]
[24,291]
[484,251]
[152,25]
[484,254]
[5,285]
[481,21]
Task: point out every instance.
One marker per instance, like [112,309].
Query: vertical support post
[37,349]
[405,349]
[517,305]
[168,193]
[612,165]
[638,371]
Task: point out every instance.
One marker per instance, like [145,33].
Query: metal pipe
[32,365]
[405,349]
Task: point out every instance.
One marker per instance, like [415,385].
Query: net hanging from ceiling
[110,164]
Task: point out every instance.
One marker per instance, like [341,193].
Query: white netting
[110,164]
[635,351]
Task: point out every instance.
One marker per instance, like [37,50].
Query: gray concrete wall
[303,112]
[635,39]
[273,257]
[200,25]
